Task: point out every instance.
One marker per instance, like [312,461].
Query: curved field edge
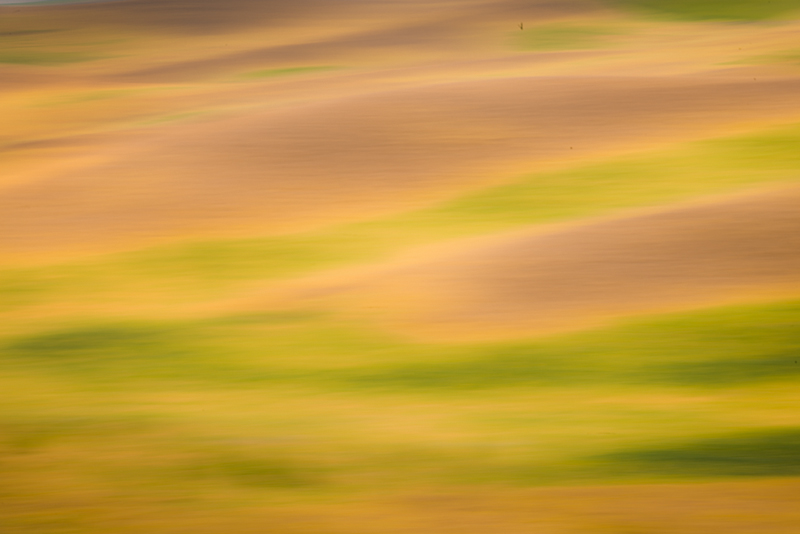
[626,403]
[306,413]
[711,9]
[183,272]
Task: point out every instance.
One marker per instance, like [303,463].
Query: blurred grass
[713,9]
[86,349]
[698,168]
[33,431]
[563,37]
[723,347]
[767,452]
[43,43]
[781,366]
[786,57]
[658,177]
[80,97]
[114,423]
[287,71]
[225,410]
[43,58]
[182,272]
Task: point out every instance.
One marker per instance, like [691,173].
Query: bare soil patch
[581,275]
[310,165]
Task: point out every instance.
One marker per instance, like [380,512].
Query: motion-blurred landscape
[400,267]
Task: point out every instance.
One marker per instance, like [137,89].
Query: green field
[253,407]
[307,405]
[713,9]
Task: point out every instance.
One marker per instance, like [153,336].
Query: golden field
[400,266]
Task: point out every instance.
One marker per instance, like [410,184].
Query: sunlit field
[400,267]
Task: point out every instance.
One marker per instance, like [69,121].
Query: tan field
[564,278]
[364,155]
[399,266]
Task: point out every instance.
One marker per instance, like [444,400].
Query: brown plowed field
[356,157]
[747,247]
